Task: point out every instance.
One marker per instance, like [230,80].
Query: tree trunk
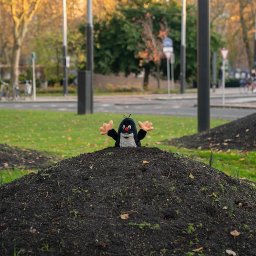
[245,34]
[158,75]
[22,13]
[15,68]
[146,77]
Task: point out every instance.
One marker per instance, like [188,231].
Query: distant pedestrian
[17,91]
[253,84]
[243,84]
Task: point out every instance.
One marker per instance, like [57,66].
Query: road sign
[167,42]
[224,53]
[168,52]
[168,47]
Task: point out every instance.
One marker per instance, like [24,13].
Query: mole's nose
[126,129]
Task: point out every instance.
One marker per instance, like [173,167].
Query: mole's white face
[127,140]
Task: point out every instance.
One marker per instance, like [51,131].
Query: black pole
[203,59]
[85,89]
[81,108]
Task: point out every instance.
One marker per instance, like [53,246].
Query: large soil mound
[238,134]
[13,157]
[128,201]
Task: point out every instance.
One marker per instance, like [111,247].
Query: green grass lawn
[69,134]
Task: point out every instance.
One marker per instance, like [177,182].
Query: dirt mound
[128,201]
[238,134]
[13,157]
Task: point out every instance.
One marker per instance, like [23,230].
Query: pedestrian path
[233,98]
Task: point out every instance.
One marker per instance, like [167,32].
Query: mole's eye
[123,126]
[129,127]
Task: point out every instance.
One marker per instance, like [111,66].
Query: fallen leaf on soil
[32,230]
[6,164]
[247,130]
[145,162]
[198,249]
[158,142]
[191,176]
[237,136]
[230,252]
[124,216]
[225,208]
[235,233]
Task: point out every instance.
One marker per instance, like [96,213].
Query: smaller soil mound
[13,157]
[238,134]
[128,201]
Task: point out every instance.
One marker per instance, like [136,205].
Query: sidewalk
[234,98]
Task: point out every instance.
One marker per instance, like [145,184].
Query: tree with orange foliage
[235,21]
[21,12]
[153,51]
[131,41]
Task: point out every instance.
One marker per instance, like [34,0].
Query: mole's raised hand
[146,126]
[106,127]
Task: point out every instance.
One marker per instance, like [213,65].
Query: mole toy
[127,135]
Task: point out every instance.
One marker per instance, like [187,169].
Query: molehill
[21,158]
[128,201]
[239,134]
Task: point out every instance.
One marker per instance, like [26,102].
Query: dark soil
[13,157]
[128,201]
[239,134]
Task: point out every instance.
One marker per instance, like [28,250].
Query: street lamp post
[168,51]
[183,48]
[254,58]
[65,58]
[172,69]
[33,57]
[224,53]
[214,71]
[89,59]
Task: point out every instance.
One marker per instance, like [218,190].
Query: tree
[234,20]
[132,39]
[246,15]
[45,37]
[115,46]
[5,38]
[153,49]
[22,12]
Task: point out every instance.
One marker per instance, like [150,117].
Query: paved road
[236,106]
